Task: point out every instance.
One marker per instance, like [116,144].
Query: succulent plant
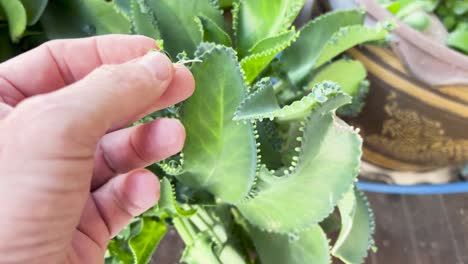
[452,13]
[267,163]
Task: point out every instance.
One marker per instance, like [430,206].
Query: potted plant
[268,168]
[415,118]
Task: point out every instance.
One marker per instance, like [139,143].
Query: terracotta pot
[416,114]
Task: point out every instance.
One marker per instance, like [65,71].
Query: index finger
[58,63]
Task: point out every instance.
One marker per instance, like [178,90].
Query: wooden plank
[455,210]
[434,242]
[169,250]
[393,237]
[420,229]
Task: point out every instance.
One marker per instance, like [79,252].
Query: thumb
[109,97]
[56,135]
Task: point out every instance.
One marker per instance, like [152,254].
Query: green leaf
[218,222]
[90,17]
[212,32]
[225,3]
[16,16]
[357,228]
[300,58]
[348,37]
[358,102]
[264,52]
[418,20]
[351,79]
[263,104]
[124,5]
[230,254]
[144,244]
[200,251]
[257,20]
[176,21]
[218,151]
[309,246]
[408,7]
[120,251]
[393,7]
[112,260]
[326,166]
[167,200]
[459,39]
[262,100]
[34,9]
[143,19]
[460,7]
[348,74]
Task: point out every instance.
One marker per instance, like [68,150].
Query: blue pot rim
[420,189]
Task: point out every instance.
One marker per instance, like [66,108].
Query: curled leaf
[300,58]
[308,246]
[281,14]
[168,203]
[350,75]
[143,19]
[177,24]
[326,165]
[263,104]
[145,243]
[16,17]
[357,228]
[264,52]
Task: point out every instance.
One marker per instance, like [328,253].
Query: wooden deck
[410,230]
[420,229]
[169,250]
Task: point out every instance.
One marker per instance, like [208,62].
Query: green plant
[452,13]
[266,160]
[18,19]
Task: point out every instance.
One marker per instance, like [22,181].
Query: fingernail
[158,64]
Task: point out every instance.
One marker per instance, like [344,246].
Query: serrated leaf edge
[269,52]
[309,101]
[342,35]
[289,172]
[179,210]
[203,52]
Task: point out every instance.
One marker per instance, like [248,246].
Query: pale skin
[71,171]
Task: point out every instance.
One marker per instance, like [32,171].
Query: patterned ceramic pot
[416,114]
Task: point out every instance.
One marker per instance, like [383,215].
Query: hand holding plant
[268,167]
[71,171]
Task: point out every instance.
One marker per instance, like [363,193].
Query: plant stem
[185,230]
[204,224]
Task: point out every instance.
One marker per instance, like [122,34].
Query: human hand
[70,172]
